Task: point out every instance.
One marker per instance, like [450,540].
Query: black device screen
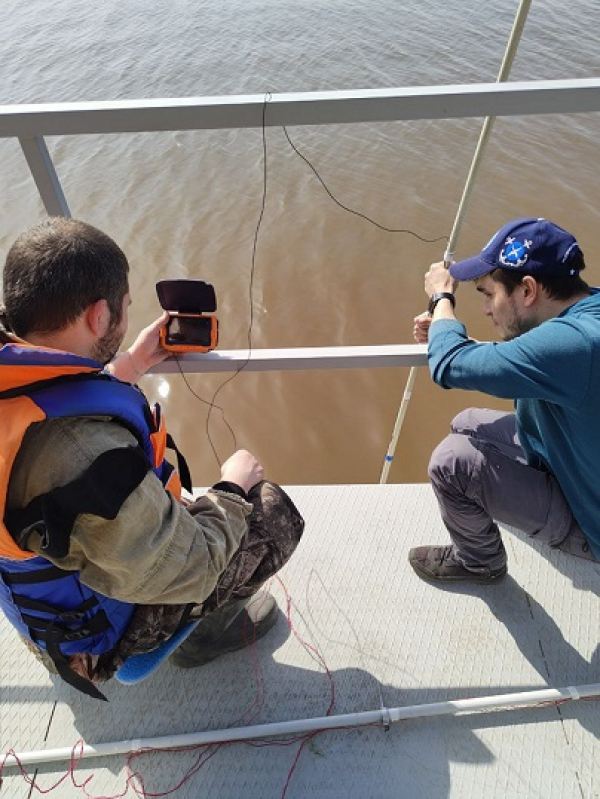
[195,330]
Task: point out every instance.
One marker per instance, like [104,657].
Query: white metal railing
[297,359]
[302,108]
[31,123]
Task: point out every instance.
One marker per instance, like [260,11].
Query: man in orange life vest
[99,558]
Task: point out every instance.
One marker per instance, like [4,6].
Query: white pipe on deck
[383,716]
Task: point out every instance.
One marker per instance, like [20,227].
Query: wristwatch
[441,295]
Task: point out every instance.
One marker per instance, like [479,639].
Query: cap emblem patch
[514,253]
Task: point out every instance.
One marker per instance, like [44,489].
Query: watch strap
[441,295]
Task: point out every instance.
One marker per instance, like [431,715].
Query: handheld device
[192,326]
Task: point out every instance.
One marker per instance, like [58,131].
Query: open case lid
[186,296]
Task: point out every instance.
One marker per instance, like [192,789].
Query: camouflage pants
[274,530]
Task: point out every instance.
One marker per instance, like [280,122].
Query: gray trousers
[480,476]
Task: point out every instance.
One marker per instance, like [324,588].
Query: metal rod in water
[486,130]
[505,67]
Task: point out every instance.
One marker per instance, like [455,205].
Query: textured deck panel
[385,636]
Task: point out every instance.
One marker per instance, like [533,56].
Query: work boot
[437,564]
[233,626]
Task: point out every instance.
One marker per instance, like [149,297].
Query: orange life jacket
[48,605]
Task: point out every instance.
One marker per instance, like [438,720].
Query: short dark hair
[57,269]
[558,287]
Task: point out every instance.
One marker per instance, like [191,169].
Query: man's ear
[97,317]
[531,290]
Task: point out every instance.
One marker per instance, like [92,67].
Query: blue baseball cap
[532,246]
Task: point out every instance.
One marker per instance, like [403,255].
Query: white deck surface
[384,635]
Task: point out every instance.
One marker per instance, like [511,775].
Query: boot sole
[482,579]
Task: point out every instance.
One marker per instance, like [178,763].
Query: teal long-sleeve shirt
[553,374]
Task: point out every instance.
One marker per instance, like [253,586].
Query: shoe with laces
[233,626]
[437,564]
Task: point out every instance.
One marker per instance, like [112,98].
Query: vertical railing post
[44,174]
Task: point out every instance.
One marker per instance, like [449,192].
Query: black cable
[211,403]
[351,210]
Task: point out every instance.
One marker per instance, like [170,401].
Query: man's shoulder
[88,432]
[56,451]
[587,307]
[582,319]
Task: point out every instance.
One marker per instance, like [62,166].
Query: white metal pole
[486,130]
[389,457]
[383,716]
[505,67]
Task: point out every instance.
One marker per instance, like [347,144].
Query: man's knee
[464,422]
[453,461]
[477,421]
[274,519]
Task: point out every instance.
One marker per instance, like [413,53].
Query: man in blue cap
[536,469]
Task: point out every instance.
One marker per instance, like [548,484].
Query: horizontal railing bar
[297,359]
[303,108]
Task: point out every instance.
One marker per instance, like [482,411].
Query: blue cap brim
[471,268]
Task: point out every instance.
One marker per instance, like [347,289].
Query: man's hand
[243,469]
[421,327]
[146,351]
[439,279]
